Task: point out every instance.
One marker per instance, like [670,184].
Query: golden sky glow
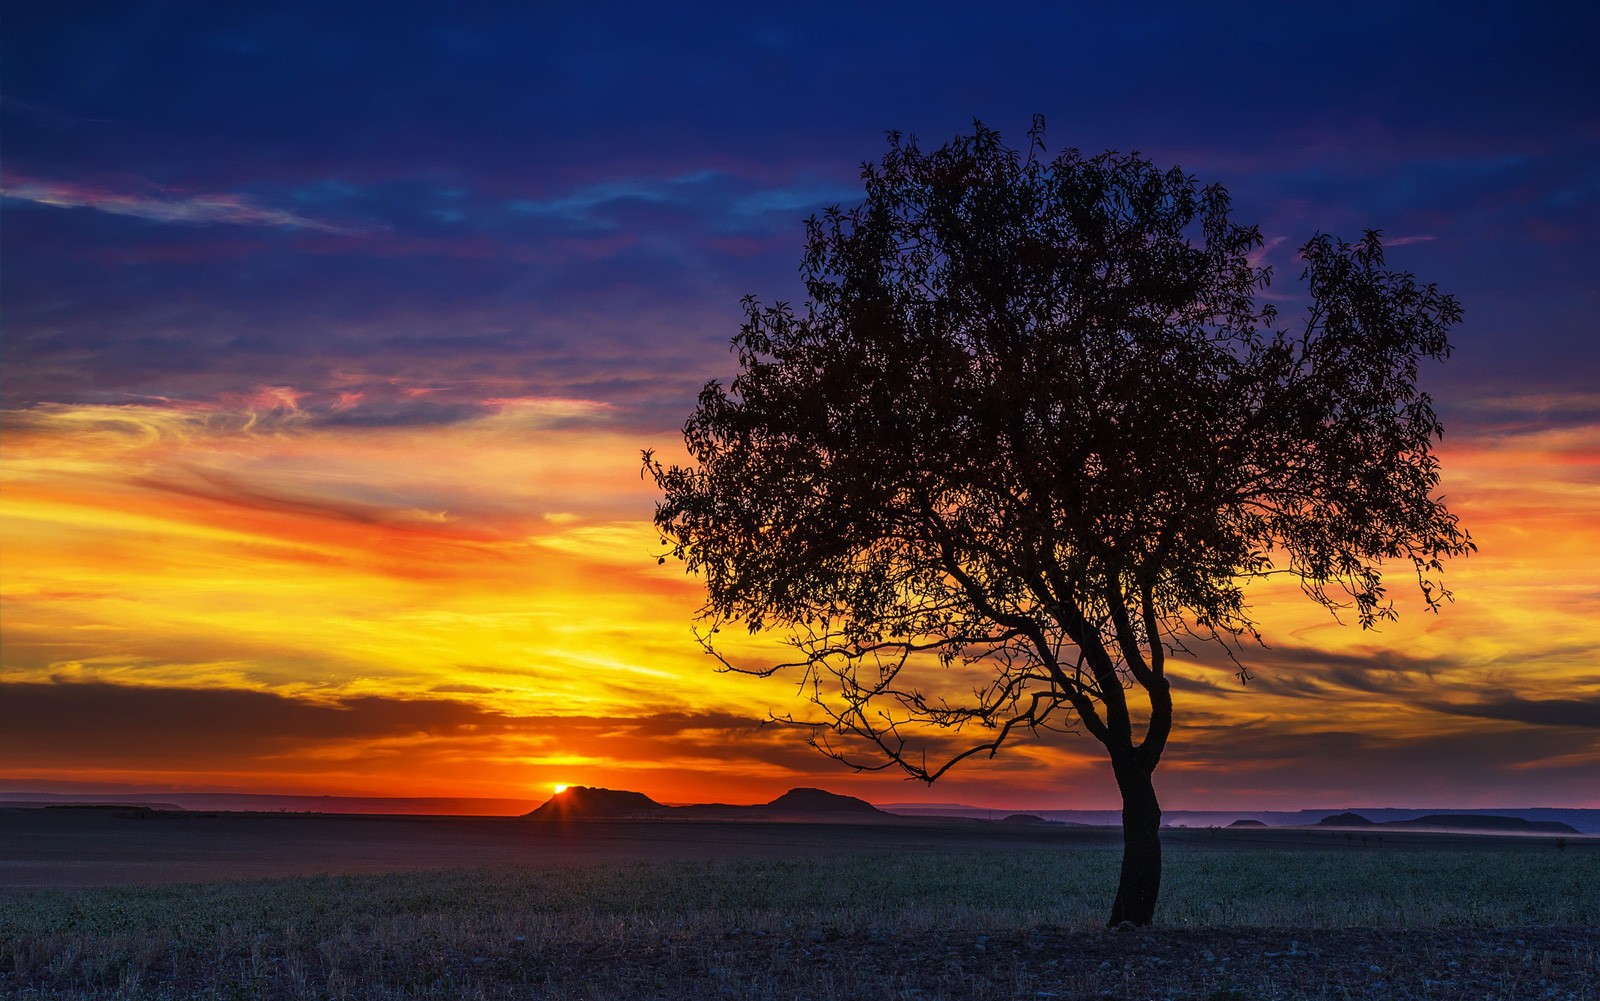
[239,597]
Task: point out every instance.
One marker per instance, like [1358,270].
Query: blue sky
[204,197]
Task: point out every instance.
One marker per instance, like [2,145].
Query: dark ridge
[1023,818]
[1345,819]
[1486,822]
[820,801]
[125,807]
[1246,822]
[576,802]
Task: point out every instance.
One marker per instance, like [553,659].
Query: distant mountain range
[799,803]
[584,802]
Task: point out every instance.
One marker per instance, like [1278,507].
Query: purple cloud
[185,209]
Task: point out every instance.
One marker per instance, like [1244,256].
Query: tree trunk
[1140,882]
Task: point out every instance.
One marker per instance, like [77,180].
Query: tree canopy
[1036,424]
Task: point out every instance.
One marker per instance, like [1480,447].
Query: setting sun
[560,789]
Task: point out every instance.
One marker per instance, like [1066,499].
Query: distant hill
[1345,819]
[806,800]
[1484,822]
[149,807]
[1247,823]
[577,802]
[1478,822]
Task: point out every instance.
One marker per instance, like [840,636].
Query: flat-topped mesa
[806,800]
[586,802]
[1345,819]
[577,802]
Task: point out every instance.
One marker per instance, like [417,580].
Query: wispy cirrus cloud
[718,200]
[203,209]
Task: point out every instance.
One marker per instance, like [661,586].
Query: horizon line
[18,795]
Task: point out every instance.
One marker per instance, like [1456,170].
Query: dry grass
[1008,923]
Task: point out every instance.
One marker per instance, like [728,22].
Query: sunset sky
[333,333]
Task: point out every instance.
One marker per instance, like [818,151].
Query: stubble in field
[1013,923]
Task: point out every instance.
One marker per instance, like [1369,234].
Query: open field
[619,909]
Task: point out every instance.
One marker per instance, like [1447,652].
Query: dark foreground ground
[94,904]
[1208,964]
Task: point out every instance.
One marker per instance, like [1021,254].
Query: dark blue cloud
[1584,713]
[577,195]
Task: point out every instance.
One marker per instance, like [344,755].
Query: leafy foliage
[1034,419]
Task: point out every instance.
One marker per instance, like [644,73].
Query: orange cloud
[473,608]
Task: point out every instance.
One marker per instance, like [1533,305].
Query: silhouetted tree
[1032,432]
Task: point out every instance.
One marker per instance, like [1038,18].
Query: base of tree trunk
[1140,882]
